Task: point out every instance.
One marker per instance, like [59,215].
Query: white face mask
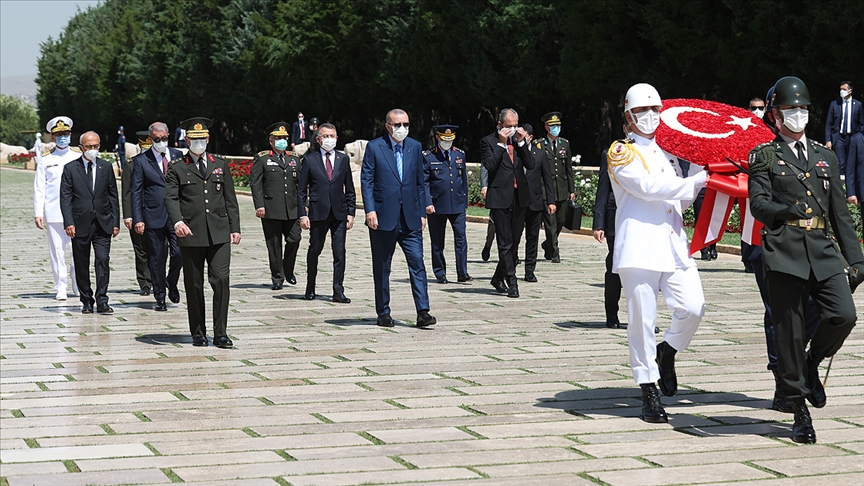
[328,144]
[844,93]
[445,144]
[91,155]
[400,133]
[160,146]
[198,146]
[758,113]
[795,119]
[647,121]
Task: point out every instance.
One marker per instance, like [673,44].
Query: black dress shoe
[666,363]
[465,278]
[656,330]
[276,285]
[341,299]
[160,306]
[613,324]
[174,294]
[200,340]
[499,285]
[485,254]
[713,252]
[530,277]
[780,403]
[442,279]
[105,311]
[309,296]
[652,408]
[292,280]
[513,292]
[87,309]
[223,342]
[424,319]
[556,258]
[144,291]
[817,396]
[386,321]
[705,254]
[802,429]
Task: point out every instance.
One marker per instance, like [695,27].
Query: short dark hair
[848,83]
[757,99]
[528,128]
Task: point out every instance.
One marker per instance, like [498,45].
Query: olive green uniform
[561,168]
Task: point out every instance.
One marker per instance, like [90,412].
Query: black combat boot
[779,403]
[817,395]
[652,409]
[666,363]
[802,430]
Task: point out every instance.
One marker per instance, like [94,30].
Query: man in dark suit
[202,206]
[150,218]
[91,216]
[139,243]
[299,131]
[845,120]
[541,195]
[327,189]
[273,180]
[446,200]
[394,196]
[604,229]
[558,152]
[506,154]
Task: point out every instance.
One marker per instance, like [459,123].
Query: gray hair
[81,138]
[327,125]
[395,111]
[506,111]
[157,127]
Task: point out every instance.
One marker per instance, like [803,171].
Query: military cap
[313,121]
[278,129]
[197,127]
[144,139]
[446,132]
[59,124]
[552,118]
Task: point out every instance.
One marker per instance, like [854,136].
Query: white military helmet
[642,94]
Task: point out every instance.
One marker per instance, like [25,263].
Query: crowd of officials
[182,214]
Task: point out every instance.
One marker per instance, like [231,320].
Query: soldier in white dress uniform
[651,251]
[46,200]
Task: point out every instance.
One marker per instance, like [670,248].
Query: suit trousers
[682,290]
[532,237]
[317,237]
[218,259]
[100,241]
[57,241]
[437,230]
[281,264]
[383,245]
[788,301]
[611,284]
[841,149]
[553,224]
[490,234]
[508,231]
[142,268]
[163,251]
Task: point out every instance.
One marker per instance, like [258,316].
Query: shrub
[240,170]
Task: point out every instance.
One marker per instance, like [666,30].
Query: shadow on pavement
[164,339]
[582,325]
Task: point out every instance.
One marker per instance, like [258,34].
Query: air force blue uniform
[447,190]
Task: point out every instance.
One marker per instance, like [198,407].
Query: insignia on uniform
[539,145]
[761,158]
[217,171]
[292,163]
[426,152]
[621,153]
[821,163]
[825,184]
[263,153]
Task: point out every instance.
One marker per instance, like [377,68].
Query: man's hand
[128,223]
[856,275]
[304,222]
[483,192]
[181,230]
[792,212]
[116,232]
[372,220]
[572,196]
[828,144]
[520,134]
[504,135]
[599,235]
[235,238]
[551,209]
[139,228]
[852,199]
[259,212]
[430,209]
[70,231]
[422,224]
[39,223]
[350,223]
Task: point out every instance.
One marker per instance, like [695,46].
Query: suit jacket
[295,132]
[561,167]
[604,203]
[541,190]
[835,118]
[502,171]
[792,250]
[147,189]
[381,188]
[274,187]
[208,205]
[80,204]
[126,187]
[322,194]
[446,180]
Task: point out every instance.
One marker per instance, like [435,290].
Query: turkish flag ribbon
[705,133]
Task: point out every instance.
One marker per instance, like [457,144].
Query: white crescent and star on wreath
[670,118]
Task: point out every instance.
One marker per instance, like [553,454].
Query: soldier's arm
[231,203]
[256,181]
[629,170]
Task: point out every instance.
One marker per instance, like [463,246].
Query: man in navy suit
[91,217]
[150,218]
[326,187]
[299,131]
[845,121]
[394,197]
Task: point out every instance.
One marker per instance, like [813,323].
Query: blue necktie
[399,159]
[844,125]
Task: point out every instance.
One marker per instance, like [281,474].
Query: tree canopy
[249,63]
[17,116]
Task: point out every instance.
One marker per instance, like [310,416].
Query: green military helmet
[790,91]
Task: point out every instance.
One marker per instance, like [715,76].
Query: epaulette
[174,161]
[539,144]
[47,152]
[621,153]
[75,149]
[562,139]
[263,153]
[762,157]
[426,152]
[457,149]
[817,144]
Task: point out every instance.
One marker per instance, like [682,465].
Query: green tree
[17,116]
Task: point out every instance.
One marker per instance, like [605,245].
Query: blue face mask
[281,145]
[555,130]
[63,141]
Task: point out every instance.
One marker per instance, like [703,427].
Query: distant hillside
[23,87]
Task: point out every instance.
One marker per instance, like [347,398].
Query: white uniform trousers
[682,290]
[58,241]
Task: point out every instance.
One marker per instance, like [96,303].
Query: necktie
[399,159]
[90,174]
[329,167]
[512,161]
[282,160]
[302,129]
[202,167]
[164,165]
[799,147]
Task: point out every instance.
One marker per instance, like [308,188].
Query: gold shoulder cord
[620,154]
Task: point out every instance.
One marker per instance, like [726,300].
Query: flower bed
[240,170]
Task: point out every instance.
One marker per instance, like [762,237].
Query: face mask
[160,146]
[445,144]
[400,133]
[198,146]
[844,93]
[63,141]
[328,144]
[91,154]
[280,145]
[758,113]
[555,131]
[795,119]
[647,121]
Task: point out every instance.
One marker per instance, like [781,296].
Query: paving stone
[559,467]
[72,453]
[682,474]
[129,476]
[420,435]
[284,468]
[413,476]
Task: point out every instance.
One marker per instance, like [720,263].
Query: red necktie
[164,165]
[329,167]
[512,161]
[302,129]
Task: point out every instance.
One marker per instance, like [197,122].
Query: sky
[24,24]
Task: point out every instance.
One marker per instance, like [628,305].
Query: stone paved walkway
[529,391]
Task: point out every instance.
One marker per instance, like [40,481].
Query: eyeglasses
[92,147]
[754,108]
[399,125]
[159,139]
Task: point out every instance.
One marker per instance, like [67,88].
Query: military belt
[813,223]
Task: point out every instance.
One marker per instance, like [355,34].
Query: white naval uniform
[651,250]
[46,204]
